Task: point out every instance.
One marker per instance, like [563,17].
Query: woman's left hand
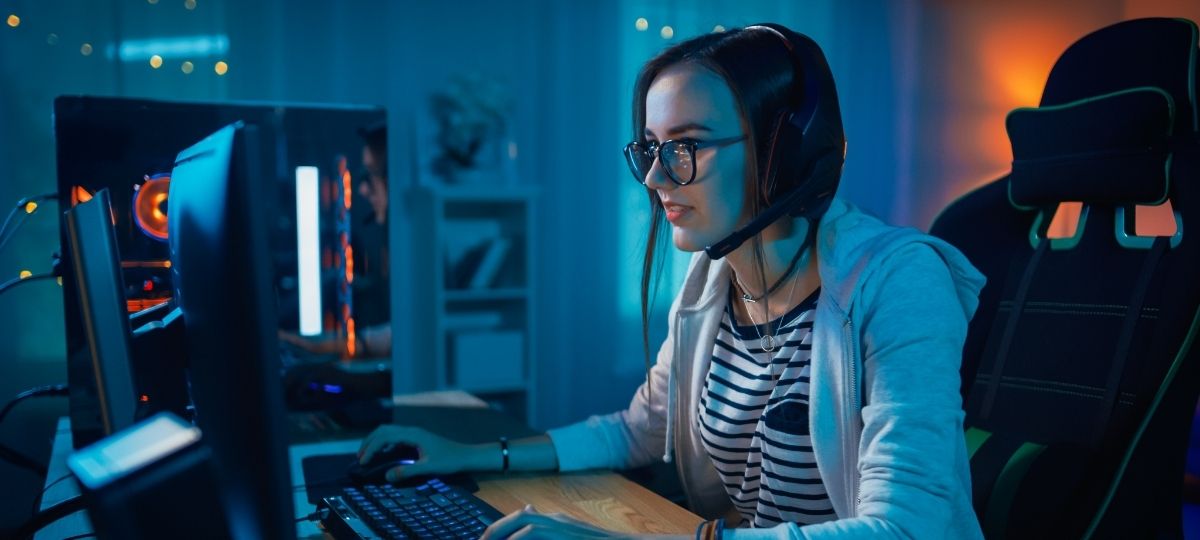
[529,524]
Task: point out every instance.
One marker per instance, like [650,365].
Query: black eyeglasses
[678,157]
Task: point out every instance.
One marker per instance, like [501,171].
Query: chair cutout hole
[1066,220]
[1154,220]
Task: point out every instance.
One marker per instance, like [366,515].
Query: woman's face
[689,101]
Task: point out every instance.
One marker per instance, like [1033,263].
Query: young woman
[808,386]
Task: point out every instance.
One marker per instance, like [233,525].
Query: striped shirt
[765,460]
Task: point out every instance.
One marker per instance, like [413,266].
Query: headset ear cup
[784,159]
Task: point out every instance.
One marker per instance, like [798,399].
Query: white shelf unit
[472,294]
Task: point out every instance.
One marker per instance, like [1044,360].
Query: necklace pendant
[747,298]
[767,342]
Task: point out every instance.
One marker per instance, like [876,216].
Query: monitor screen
[105,323]
[219,220]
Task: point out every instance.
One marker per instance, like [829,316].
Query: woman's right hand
[438,455]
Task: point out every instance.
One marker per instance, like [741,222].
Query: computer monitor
[219,220]
[101,290]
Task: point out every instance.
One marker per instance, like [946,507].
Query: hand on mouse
[439,455]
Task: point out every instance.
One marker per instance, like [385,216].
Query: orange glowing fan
[150,206]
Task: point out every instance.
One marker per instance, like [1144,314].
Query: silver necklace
[766,341]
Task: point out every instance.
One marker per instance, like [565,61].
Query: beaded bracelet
[711,530]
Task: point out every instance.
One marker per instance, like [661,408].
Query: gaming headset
[804,164]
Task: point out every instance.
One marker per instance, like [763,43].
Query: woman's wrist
[526,454]
[485,457]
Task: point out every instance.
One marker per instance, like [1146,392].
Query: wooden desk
[604,499]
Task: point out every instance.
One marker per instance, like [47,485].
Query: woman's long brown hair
[761,74]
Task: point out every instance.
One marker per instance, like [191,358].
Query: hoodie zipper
[855,405]
[673,414]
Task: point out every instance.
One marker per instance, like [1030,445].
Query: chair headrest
[1157,52]
[1111,149]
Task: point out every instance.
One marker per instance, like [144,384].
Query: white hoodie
[885,410]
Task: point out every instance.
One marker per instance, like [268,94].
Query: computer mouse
[375,471]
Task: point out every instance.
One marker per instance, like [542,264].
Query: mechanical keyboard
[433,510]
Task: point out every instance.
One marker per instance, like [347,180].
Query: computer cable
[55,272]
[19,280]
[318,483]
[17,458]
[50,390]
[21,211]
[315,516]
[48,516]
[37,501]
[21,460]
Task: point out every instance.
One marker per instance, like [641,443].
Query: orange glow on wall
[1155,220]
[1148,220]
[979,61]
[1014,56]
[1065,222]
[349,265]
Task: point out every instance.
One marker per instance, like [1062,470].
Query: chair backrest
[1080,377]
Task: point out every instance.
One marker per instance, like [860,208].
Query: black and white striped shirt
[764,459]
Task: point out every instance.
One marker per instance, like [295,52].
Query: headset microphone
[791,204]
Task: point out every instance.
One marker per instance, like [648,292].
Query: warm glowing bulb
[187,67]
[667,32]
[59,280]
[14,21]
[221,68]
[25,273]
[718,28]
[30,207]
[641,24]
[85,49]
[156,61]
